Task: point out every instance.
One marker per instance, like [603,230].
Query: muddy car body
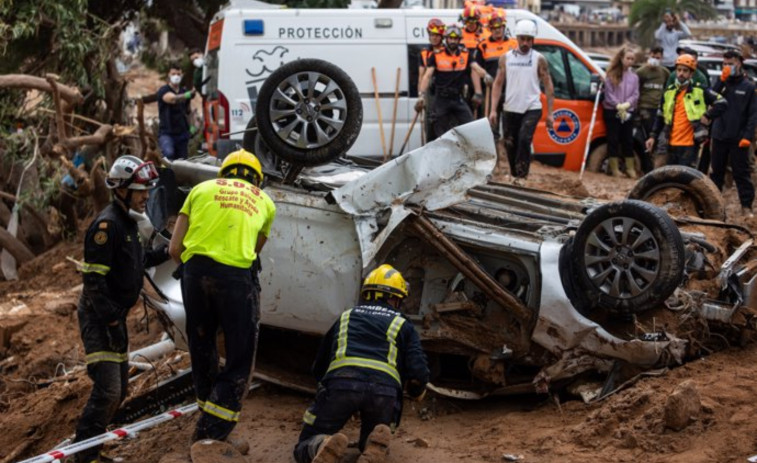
[512,290]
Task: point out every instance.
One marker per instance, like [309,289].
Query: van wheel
[309,112]
[629,257]
[681,190]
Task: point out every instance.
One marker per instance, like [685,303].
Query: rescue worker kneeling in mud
[218,236]
[113,268]
[367,356]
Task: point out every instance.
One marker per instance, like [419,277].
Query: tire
[629,257]
[283,106]
[696,192]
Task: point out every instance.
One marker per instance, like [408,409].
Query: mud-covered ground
[43,387]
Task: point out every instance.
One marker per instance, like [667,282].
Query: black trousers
[217,295]
[722,153]
[336,401]
[449,113]
[619,135]
[646,122]
[519,133]
[106,348]
[683,155]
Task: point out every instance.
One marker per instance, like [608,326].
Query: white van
[246,45]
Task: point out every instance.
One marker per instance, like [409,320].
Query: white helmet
[130,172]
[525,27]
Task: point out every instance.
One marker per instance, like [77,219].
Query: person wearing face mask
[520,72]
[173,110]
[733,133]
[435,30]
[652,82]
[684,113]
[198,61]
[699,77]
[621,97]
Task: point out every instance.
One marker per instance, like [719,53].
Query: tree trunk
[15,247]
[70,94]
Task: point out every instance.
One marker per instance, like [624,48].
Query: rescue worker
[683,112]
[652,83]
[732,134]
[486,61]
[113,269]
[520,71]
[435,30]
[450,68]
[218,235]
[473,32]
[370,353]
[699,77]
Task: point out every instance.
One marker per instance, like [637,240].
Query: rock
[175,458]
[419,442]
[60,307]
[7,328]
[682,406]
[213,451]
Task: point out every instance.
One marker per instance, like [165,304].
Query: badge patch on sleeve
[103,225]
[101,237]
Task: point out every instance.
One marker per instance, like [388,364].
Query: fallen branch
[83,185]
[16,248]
[98,138]
[72,95]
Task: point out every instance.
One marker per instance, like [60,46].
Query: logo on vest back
[567,126]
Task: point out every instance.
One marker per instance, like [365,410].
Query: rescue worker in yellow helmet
[370,353]
[113,268]
[218,236]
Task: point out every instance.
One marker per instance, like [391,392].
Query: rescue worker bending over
[113,269]
[450,67]
[683,111]
[487,60]
[218,235]
[435,30]
[367,356]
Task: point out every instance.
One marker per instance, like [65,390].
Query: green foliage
[646,15]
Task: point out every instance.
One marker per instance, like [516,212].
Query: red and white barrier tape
[119,433]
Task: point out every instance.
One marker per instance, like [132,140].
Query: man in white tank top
[520,72]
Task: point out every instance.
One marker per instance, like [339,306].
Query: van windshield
[570,76]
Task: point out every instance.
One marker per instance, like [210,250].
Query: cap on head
[525,27]
[130,172]
[243,165]
[384,282]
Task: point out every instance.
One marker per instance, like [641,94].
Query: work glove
[419,105]
[726,73]
[477,99]
[744,143]
[488,80]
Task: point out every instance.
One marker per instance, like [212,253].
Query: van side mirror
[594,85]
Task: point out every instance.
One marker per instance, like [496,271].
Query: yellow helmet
[241,164]
[384,279]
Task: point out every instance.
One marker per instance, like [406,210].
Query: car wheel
[681,190]
[629,257]
[309,112]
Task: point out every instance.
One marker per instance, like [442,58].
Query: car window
[581,78]
[557,70]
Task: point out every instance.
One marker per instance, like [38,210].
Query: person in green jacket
[699,78]
[652,82]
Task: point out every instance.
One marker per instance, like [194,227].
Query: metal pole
[591,130]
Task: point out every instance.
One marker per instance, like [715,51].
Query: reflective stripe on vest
[451,63]
[391,336]
[219,412]
[389,367]
[693,102]
[94,268]
[106,356]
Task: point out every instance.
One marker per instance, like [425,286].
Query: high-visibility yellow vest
[693,102]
